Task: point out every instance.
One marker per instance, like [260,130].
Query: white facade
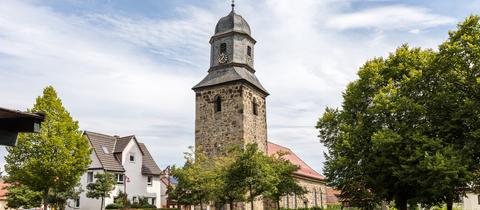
[135,183]
[471,202]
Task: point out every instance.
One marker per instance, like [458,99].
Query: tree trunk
[401,203]
[101,207]
[231,205]
[201,205]
[45,200]
[278,203]
[449,205]
[251,198]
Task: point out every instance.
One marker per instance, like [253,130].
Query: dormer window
[218,104]
[249,51]
[105,150]
[223,48]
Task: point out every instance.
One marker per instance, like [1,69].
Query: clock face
[222,58]
[249,59]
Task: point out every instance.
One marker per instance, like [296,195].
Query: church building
[231,108]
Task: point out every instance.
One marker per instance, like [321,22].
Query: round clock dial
[222,58]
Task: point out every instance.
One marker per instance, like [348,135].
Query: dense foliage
[409,127]
[52,161]
[243,174]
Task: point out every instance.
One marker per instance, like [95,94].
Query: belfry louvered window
[223,48]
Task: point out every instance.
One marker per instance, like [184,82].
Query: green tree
[55,158]
[252,171]
[453,108]
[379,144]
[287,184]
[197,181]
[102,186]
[228,190]
[20,196]
[58,198]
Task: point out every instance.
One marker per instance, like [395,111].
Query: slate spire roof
[230,74]
[232,22]
[108,147]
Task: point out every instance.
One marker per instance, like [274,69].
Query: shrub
[114,206]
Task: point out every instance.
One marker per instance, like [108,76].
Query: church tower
[230,101]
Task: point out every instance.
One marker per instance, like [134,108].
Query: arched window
[218,104]
[255,107]
[223,48]
[249,51]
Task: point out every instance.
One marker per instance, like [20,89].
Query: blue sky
[127,67]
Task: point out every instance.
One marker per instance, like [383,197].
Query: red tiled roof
[3,191]
[304,169]
[333,195]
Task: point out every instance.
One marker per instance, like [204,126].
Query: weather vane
[233,5]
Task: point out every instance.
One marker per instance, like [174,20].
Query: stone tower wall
[235,125]
[216,131]
[255,126]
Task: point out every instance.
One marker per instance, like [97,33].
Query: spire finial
[233,5]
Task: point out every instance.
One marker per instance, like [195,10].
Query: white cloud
[122,74]
[388,18]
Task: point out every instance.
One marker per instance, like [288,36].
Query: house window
[255,107]
[478,199]
[223,48]
[76,203]
[134,199]
[249,51]
[149,180]
[218,104]
[90,177]
[315,196]
[120,178]
[132,157]
[153,201]
[105,150]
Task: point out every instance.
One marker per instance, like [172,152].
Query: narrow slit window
[223,48]
[255,107]
[218,104]
[249,51]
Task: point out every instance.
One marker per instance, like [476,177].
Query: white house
[137,173]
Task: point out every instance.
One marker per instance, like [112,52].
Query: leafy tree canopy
[54,159]
[408,127]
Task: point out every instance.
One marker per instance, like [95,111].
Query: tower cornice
[230,33]
[232,64]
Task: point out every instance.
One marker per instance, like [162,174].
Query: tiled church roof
[304,169]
